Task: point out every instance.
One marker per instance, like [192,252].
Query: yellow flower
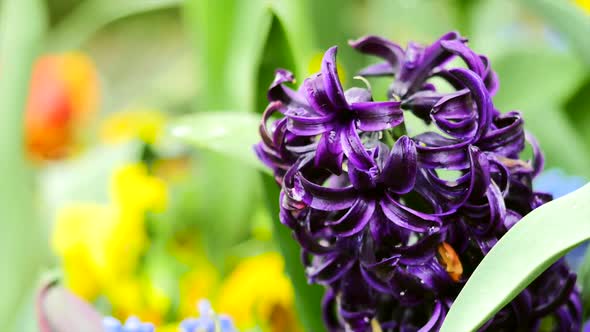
[137,296]
[79,238]
[259,292]
[196,285]
[134,189]
[145,124]
[584,4]
[100,245]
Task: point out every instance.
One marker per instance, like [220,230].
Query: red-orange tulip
[63,95]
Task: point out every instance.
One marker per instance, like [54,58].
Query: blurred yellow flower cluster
[145,124]
[584,4]
[259,293]
[103,248]
[101,245]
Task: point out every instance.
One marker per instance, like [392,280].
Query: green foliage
[22,28]
[530,247]
[540,96]
[570,21]
[91,15]
[236,56]
[230,133]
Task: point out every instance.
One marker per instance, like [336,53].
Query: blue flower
[208,321]
[557,183]
[132,324]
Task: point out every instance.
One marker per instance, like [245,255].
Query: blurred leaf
[22,28]
[502,26]
[277,54]
[84,178]
[537,82]
[59,310]
[529,248]
[569,20]
[232,47]
[232,134]
[397,19]
[577,108]
[91,15]
[308,297]
[225,187]
[231,36]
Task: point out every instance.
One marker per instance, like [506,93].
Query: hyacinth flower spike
[393,225]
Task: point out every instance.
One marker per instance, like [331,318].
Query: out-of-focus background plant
[99,192]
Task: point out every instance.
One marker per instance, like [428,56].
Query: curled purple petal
[399,171]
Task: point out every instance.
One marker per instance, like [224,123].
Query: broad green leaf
[277,54]
[229,133]
[578,109]
[307,297]
[570,21]
[232,36]
[91,15]
[82,179]
[224,183]
[529,248]
[22,25]
[232,47]
[225,187]
[537,82]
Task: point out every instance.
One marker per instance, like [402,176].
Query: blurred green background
[173,57]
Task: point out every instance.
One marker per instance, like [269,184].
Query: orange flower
[63,95]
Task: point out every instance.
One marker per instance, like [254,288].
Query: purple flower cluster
[393,224]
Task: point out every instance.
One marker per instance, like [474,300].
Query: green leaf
[529,248]
[232,47]
[91,15]
[539,95]
[570,21]
[578,109]
[307,297]
[229,133]
[22,28]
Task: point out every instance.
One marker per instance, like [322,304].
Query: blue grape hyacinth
[208,321]
[132,324]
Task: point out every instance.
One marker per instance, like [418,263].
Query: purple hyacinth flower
[322,107]
[391,224]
